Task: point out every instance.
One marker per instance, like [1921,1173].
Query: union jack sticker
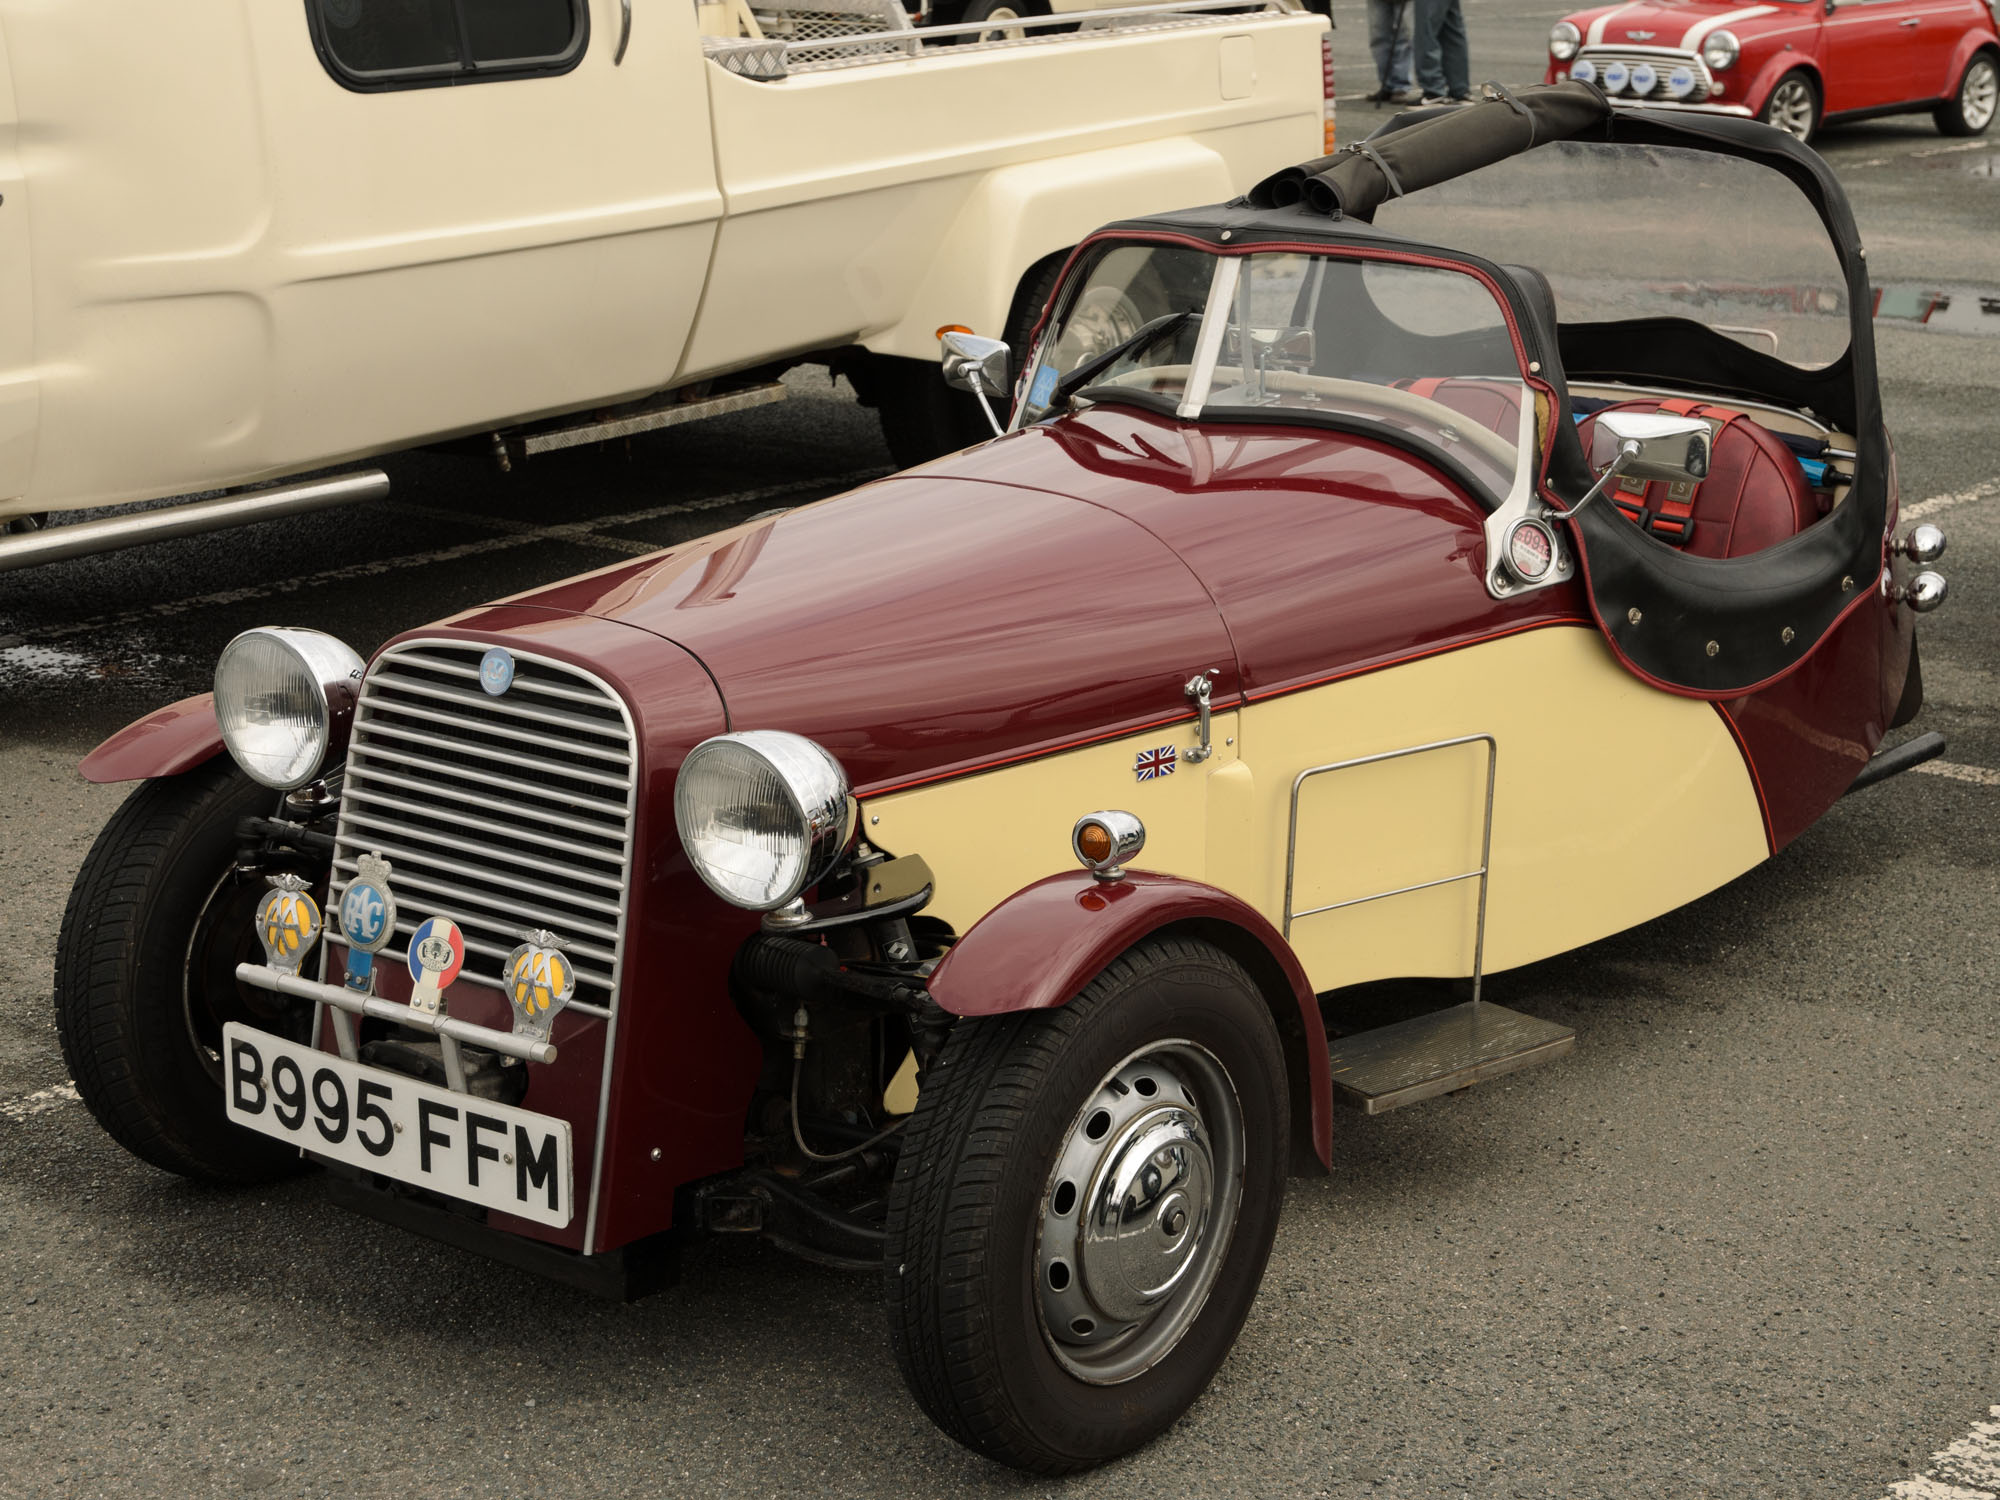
[1150,765]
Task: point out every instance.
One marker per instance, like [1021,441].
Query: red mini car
[1369,582]
[1791,63]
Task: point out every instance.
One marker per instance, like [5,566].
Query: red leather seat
[1755,494]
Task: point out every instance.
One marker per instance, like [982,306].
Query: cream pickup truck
[241,240]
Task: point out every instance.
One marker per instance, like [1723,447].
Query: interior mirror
[1650,445]
[978,365]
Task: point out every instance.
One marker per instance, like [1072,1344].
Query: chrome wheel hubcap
[1138,1213]
[1791,108]
[1979,93]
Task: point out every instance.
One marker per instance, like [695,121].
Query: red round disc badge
[1531,551]
[437,953]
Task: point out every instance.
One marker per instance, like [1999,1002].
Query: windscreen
[1424,351]
[1627,231]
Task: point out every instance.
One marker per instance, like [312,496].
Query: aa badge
[287,923]
[367,920]
[437,953]
[540,980]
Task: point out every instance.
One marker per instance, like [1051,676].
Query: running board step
[1447,1050]
[629,421]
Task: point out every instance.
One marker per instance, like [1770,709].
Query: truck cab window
[378,44]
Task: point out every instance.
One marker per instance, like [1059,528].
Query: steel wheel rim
[1007,33]
[1138,1212]
[1979,93]
[1791,108]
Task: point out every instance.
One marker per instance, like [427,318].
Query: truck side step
[629,421]
[1390,1066]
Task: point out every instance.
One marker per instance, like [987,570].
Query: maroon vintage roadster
[1464,547]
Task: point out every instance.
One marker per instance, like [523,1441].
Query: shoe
[1436,101]
[1463,99]
[1406,96]
[1381,96]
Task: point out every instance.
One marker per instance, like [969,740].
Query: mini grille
[1661,62]
[503,813]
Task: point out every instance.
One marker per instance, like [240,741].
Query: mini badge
[540,981]
[367,920]
[437,953]
[287,923]
[1151,765]
[496,671]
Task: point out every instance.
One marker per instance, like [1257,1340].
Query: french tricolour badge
[437,953]
[1151,765]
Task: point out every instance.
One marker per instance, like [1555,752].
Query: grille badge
[496,671]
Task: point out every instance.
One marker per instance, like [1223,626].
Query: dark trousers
[1443,62]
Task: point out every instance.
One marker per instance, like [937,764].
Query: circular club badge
[437,953]
[496,671]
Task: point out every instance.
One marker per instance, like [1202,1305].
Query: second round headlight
[1564,39]
[285,699]
[1720,49]
[763,814]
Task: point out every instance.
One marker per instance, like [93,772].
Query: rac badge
[287,923]
[496,671]
[437,953]
[1151,765]
[367,920]
[540,981]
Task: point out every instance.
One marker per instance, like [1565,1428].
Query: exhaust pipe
[56,543]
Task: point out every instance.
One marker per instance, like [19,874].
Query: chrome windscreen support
[1481,874]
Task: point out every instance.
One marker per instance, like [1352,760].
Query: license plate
[494,1155]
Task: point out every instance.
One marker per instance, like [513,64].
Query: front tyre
[156,923]
[1083,1207]
[1970,110]
[1794,105]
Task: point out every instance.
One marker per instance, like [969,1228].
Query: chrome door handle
[624,31]
[1913,21]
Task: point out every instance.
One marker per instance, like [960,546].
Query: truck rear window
[380,44]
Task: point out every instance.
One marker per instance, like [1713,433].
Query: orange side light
[951,328]
[1093,841]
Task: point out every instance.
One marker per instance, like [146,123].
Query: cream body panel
[988,835]
[846,223]
[1614,803]
[245,269]
[20,381]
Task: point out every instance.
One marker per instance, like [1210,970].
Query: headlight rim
[828,814]
[1558,41]
[1727,48]
[332,667]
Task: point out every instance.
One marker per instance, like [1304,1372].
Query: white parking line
[517,535]
[1968,1470]
[1936,503]
[39,1102]
[1977,775]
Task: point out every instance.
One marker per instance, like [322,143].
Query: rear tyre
[1083,1207]
[1000,11]
[1794,105]
[1970,110]
[145,976]
[922,417]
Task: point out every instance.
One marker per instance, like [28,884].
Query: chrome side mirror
[978,365]
[1646,445]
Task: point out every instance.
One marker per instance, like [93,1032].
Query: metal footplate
[1390,1066]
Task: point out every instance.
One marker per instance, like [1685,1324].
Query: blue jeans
[1443,61]
[1389,41]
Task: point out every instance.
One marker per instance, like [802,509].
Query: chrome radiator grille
[1661,60]
[503,813]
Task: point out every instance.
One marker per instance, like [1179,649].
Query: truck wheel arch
[1037,949]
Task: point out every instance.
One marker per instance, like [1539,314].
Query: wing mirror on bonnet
[1646,445]
[978,365]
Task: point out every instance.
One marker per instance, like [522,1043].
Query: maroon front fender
[1043,944]
[174,739]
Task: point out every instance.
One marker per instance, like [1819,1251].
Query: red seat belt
[1667,510]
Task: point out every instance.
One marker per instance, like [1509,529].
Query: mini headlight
[762,814]
[285,701]
[1564,39]
[1720,50]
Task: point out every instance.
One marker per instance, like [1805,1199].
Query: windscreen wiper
[1091,368]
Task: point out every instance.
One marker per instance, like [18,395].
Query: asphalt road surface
[1743,1242]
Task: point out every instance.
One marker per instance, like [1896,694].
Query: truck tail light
[1326,93]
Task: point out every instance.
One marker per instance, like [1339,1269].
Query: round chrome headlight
[285,701]
[763,815]
[1564,39]
[1720,50]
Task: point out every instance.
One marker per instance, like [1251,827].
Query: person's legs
[1426,17]
[1381,43]
[1401,77]
[1454,51]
